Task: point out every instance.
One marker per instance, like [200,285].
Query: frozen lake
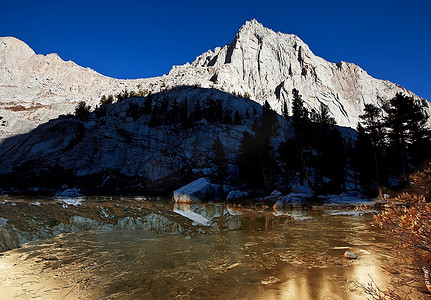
[139,248]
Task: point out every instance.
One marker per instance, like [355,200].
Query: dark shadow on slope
[67,152]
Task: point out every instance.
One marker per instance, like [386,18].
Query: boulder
[10,238]
[350,255]
[276,193]
[236,195]
[301,189]
[292,199]
[200,189]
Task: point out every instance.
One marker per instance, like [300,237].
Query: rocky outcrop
[259,63]
[36,88]
[267,65]
[10,238]
[236,195]
[198,190]
[117,143]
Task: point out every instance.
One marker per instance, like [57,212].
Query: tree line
[314,155]
[386,149]
[166,112]
[387,146]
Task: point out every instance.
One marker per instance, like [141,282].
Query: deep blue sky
[133,39]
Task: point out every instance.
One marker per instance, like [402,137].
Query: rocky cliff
[119,142]
[259,63]
[37,88]
[267,65]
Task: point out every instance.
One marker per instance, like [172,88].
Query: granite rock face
[37,88]
[133,147]
[259,63]
[266,65]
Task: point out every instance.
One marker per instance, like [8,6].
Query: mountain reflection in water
[144,249]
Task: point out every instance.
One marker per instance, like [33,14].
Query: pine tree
[227,118]
[328,150]
[363,161]
[261,168]
[219,112]
[126,95]
[82,111]
[248,161]
[220,159]
[197,112]
[406,132]
[237,118]
[148,104]
[184,115]
[134,111]
[119,97]
[264,154]
[301,126]
[173,113]
[269,122]
[110,99]
[164,112]
[211,111]
[299,112]
[100,112]
[103,100]
[322,117]
[285,110]
[372,126]
[290,160]
[155,119]
[334,160]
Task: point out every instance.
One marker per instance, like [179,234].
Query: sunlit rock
[350,255]
[259,63]
[200,189]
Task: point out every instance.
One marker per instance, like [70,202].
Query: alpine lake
[152,248]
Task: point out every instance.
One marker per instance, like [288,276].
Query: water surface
[124,248]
